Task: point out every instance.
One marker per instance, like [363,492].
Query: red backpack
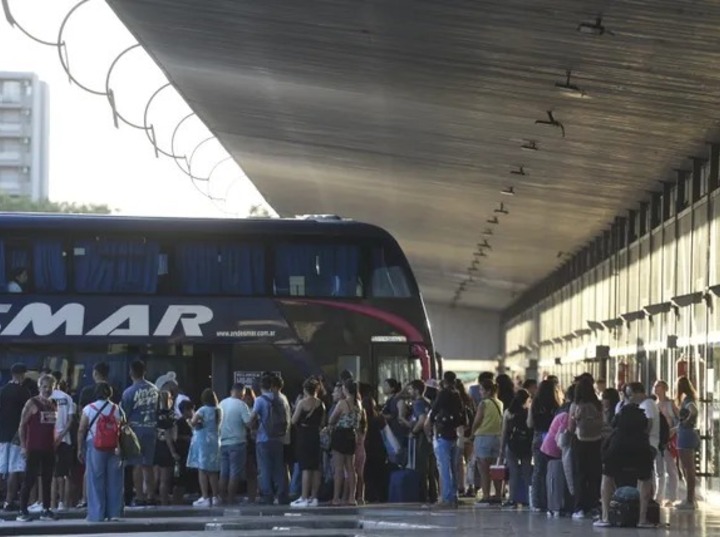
[107,430]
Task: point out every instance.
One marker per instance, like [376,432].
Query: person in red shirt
[38,443]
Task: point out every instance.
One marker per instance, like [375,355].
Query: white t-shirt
[91,412]
[652,413]
[65,412]
[179,399]
[236,417]
[14,287]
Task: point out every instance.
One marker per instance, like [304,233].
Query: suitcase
[555,485]
[404,486]
[624,510]
[405,483]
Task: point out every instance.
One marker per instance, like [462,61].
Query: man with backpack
[446,416]
[635,392]
[273,424]
[627,456]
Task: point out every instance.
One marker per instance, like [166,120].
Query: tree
[258,211]
[23,204]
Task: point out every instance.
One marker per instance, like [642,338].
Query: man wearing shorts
[13,397]
[139,402]
[64,451]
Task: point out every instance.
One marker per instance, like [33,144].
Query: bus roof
[114,223]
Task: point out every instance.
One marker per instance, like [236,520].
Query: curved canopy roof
[416,114]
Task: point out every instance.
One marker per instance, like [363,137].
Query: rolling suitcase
[405,483]
[555,484]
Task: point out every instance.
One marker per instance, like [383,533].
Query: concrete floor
[372,521]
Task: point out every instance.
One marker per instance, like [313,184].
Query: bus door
[392,360]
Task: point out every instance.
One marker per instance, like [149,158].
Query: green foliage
[20,204]
[258,211]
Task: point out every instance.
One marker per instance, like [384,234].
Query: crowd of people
[500,442]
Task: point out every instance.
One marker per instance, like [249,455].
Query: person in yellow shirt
[487,430]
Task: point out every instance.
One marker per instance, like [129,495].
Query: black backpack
[450,417]
[276,423]
[631,419]
[520,437]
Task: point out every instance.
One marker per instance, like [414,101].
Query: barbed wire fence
[184,160]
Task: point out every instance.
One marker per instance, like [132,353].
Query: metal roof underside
[412,114]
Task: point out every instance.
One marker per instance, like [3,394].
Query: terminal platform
[389,520]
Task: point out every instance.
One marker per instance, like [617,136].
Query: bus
[209,301]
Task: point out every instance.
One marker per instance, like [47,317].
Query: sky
[90,160]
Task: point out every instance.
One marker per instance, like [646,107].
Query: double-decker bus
[210,300]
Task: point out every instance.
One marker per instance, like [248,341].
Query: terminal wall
[464,333]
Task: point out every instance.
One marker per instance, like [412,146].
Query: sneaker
[601,524]
[48,516]
[508,505]
[299,503]
[217,501]
[553,514]
[37,507]
[114,519]
[313,502]
[578,515]
[202,502]
[60,506]
[7,506]
[24,517]
[482,503]
[685,506]
[81,505]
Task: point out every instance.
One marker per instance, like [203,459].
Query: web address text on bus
[245,333]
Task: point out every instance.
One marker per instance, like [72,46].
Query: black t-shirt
[13,397]
[87,396]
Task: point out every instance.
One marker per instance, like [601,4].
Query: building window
[11,91]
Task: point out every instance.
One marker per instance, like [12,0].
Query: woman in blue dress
[688,440]
[205,449]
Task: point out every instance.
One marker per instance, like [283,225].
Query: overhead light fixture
[570,89]
[483,244]
[594,28]
[502,209]
[494,220]
[530,145]
[488,232]
[520,170]
[509,191]
[552,122]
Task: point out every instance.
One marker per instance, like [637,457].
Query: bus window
[317,270]
[116,266]
[49,270]
[208,269]
[388,276]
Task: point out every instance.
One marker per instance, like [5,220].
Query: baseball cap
[18,369]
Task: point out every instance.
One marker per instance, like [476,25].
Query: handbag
[499,472]
[129,443]
[325,438]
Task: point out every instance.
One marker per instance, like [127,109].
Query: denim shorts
[147,437]
[486,446]
[11,459]
[687,438]
[233,460]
